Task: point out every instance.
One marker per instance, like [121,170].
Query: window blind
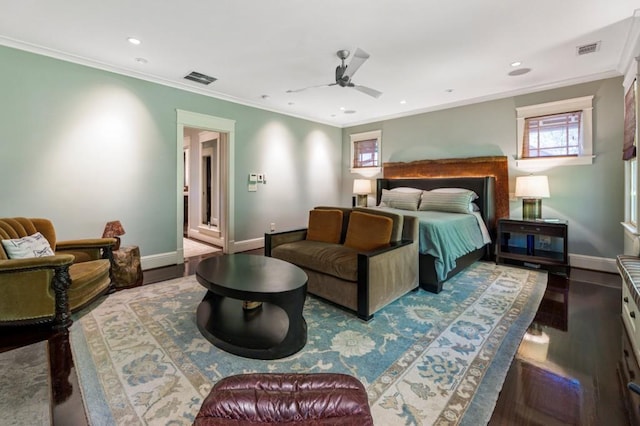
[629,140]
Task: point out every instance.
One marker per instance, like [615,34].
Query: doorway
[205,176]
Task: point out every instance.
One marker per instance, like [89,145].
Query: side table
[127,270]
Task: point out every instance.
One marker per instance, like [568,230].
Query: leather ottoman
[301,399]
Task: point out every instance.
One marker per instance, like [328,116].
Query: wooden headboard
[496,166]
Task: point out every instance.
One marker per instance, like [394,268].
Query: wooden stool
[127,271]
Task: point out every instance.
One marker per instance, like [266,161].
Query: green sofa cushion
[332,259]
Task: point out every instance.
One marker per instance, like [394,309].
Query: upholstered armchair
[49,288]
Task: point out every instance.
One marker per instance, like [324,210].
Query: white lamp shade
[532,187]
[362,186]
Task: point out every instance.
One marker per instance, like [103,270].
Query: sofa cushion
[332,259]
[398,219]
[35,245]
[368,231]
[88,280]
[325,226]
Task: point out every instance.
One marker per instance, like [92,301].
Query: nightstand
[542,245]
[535,244]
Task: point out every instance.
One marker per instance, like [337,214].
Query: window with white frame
[555,133]
[365,153]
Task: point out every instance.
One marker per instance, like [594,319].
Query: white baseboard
[176,257]
[602,264]
[247,245]
[162,259]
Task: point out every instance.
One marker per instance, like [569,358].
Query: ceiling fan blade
[368,91]
[310,87]
[356,61]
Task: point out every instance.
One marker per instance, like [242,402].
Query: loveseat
[357,258]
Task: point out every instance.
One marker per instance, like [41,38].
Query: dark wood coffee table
[274,330]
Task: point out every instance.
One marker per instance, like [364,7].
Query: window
[555,133]
[365,153]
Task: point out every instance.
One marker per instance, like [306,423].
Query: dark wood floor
[574,382]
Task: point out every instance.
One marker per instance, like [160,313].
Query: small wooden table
[274,330]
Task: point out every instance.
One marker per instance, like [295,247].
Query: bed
[486,176]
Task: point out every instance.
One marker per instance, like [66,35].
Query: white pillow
[454,202]
[35,245]
[407,190]
[400,200]
[474,196]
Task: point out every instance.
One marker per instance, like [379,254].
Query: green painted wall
[83,146]
[591,197]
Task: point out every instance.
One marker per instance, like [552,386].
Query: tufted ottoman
[302,399]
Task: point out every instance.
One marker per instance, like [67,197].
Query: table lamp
[361,187]
[113,229]
[532,189]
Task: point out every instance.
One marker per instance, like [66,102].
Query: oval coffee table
[275,329]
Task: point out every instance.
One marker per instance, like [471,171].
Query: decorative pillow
[454,202]
[325,225]
[400,200]
[35,245]
[368,231]
[406,189]
[474,196]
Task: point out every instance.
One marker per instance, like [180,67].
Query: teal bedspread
[446,236]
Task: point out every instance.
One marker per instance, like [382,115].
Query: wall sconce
[113,229]
[362,188]
[532,189]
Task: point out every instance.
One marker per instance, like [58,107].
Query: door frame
[226,150]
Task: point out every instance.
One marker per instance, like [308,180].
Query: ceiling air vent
[585,49]
[200,78]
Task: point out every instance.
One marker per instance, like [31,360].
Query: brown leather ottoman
[302,399]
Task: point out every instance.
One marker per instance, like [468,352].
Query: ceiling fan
[345,72]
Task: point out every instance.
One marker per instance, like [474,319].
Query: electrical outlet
[272,227]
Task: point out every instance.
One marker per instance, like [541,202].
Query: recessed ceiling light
[519,71]
[402,102]
[516,64]
[134,40]
[265,96]
[291,103]
[449,90]
[342,108]
[141,60]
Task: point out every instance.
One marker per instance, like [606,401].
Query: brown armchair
[47,289]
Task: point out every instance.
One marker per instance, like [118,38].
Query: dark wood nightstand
[533,243]
[542,245]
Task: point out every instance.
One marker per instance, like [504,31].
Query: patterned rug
[26,388]
[424,359]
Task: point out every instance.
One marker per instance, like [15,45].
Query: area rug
[424,359]
[194,248]
[26,388]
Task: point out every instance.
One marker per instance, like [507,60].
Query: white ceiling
[430,53]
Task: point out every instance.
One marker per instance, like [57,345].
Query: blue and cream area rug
[425,359]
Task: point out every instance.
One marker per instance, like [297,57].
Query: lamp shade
[532,187]
[362,186]
[113,229]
